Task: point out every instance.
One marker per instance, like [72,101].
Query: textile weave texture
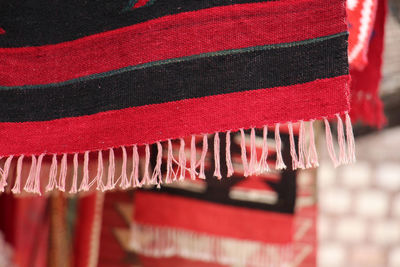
[79,80]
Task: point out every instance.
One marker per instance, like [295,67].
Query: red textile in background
[213,219]
[365,102]
[25,223]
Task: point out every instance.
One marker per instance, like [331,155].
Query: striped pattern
[100,77]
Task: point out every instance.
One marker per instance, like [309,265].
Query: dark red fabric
[26,229]
[172,36]
[143,124]
[83,230]
[365,102]
[188,214]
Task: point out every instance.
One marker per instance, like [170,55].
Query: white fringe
[164,242]
[303,156]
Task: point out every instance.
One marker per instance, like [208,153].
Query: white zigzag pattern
[364,21]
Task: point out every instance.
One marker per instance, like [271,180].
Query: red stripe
[140,3]
[147,124]
[205,217]
[219,28]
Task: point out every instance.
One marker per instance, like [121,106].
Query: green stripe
[177,60]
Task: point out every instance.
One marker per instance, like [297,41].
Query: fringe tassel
[253,153]
[146,175]
[193,154]
[280,165]
[74,189]
[17,185]
[341,141]
[305,155]
[36,189]
[52,174]
[124,177]
[30,181]
[157,176]
[228,157]
[170,170]
[312,158]
[6,170]
[329,143]
[111,170]
[217,161]
[85,181]
[135,167]
[295,161]
[351,151]
[263,164]
[63,173]
[100,172]
[203,157]
[302,146]
[182,160]
[243,152]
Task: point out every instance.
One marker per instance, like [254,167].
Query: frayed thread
[228,156]
[263,164]
[280,165]
[217,160]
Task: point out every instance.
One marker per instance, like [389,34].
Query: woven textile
[366,40]
[82,82]
[234,222]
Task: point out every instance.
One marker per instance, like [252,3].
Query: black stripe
[34,23]
[180,80]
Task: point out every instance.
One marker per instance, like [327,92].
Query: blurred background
[327,217]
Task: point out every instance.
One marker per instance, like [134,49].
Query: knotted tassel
[74,189]
[6,169]
[302,146]
[341,141]
[203,157]
[263,165]
[146,175]
[329,143]
[85,180]
[253,153]
[351,149]
[228,157]
[280,165]
[312,158]
[30,181]
[243,154]
[292,147]
[217,160]
[135,167]
[182,160]
[52,174]
[17,185]
[63,173]
[100,172]
[193,153]
[157,175]
[37,175]
[170,171]
[111,170]
[124,177]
